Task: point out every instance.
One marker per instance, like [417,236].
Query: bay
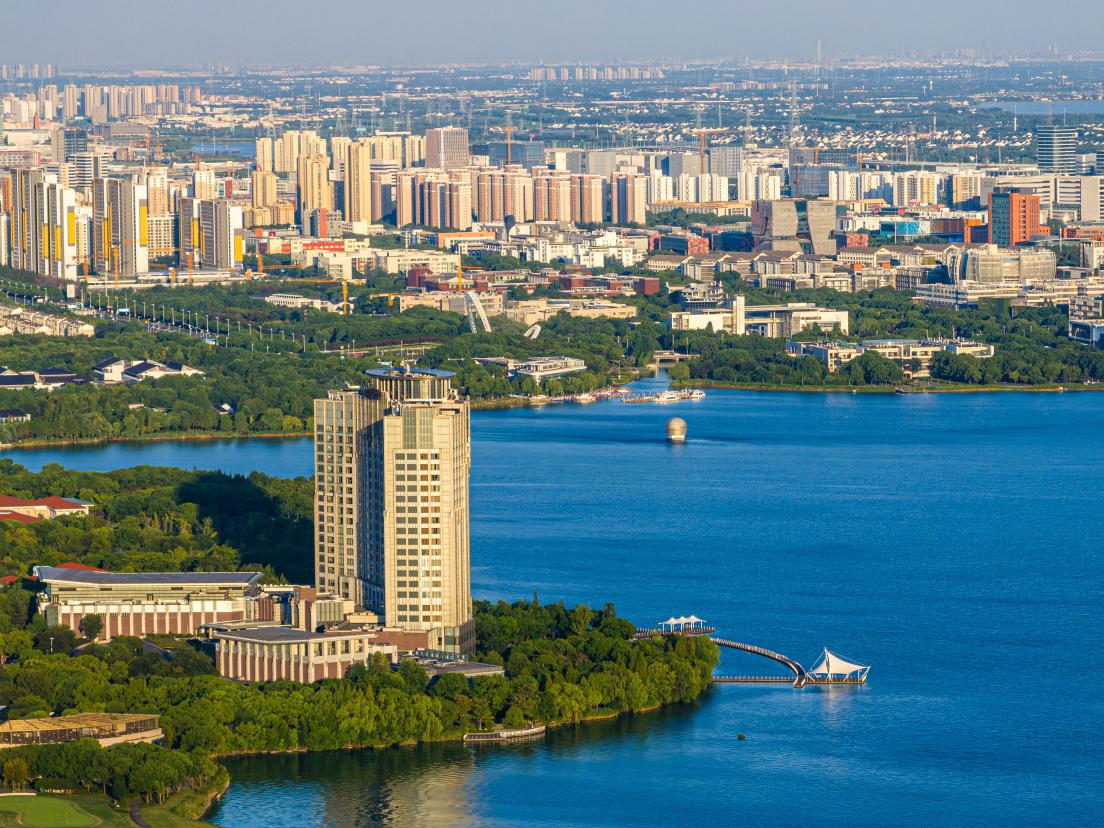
[947,540]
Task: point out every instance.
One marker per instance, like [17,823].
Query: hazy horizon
[126,33]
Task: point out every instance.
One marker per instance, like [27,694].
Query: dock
[524,734]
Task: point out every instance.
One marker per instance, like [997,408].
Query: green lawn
[79,811]
[44,812]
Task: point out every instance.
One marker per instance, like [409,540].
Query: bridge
[830,669]
[800,679]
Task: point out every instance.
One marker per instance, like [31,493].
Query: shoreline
[510,403]
[884,389]
[189,436]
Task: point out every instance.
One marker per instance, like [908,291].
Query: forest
[561,666]
[163,519]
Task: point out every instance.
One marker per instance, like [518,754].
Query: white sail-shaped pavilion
[832,667]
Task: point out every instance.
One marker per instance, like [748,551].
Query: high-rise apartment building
[446,148]
[120,240]
[1056,148]
[264,189]
[43,225]
[157,192]
[1014,217]
[588,204]
[627,198]
[392,464]
[264,155]
[315,191]
[220,225]
[358,182]
[204,185]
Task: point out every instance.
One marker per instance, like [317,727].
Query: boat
[583,399]
[668,396]
[900,390]
[697,394]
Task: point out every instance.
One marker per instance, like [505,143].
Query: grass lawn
[82,811]
[45,812]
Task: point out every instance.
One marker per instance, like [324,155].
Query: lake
[946,540]
[1080,107]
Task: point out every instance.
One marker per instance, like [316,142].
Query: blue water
[950,541]
[241,148]
[1082,107]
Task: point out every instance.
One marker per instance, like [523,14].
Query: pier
[830,669]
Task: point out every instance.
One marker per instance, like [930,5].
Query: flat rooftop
[399,373]
[287,635]
[56,574]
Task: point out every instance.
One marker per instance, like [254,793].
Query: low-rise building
[106,728]
[914,356]
[48,379]
[272,653]
[15,319]
[115,370]
[542,368]
[45,508]
[146,603]
[534,311]
[295,301]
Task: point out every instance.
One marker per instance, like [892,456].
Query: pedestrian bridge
[830,668]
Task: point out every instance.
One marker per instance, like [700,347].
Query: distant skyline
[127,33]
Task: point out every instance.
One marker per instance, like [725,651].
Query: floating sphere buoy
[676,430]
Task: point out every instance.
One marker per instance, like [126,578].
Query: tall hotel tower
[392,462]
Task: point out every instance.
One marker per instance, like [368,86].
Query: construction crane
[701,133]
[344,289]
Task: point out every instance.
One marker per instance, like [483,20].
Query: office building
[1056,148]
[446,148]
[727,161]
[525,154]
[1013,217]
[392,462]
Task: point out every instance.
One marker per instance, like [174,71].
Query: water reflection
[427,785]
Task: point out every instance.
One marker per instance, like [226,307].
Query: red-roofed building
[45,508]
[19,518]
[80,567]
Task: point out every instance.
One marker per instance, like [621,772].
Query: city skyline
[252,33]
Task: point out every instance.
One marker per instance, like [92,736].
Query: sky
[156,33]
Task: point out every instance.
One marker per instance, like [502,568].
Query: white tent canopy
[831,664]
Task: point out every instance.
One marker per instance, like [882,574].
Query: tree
[514,718]
[55,640]
[16,773]
[91,626]
[581,617]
